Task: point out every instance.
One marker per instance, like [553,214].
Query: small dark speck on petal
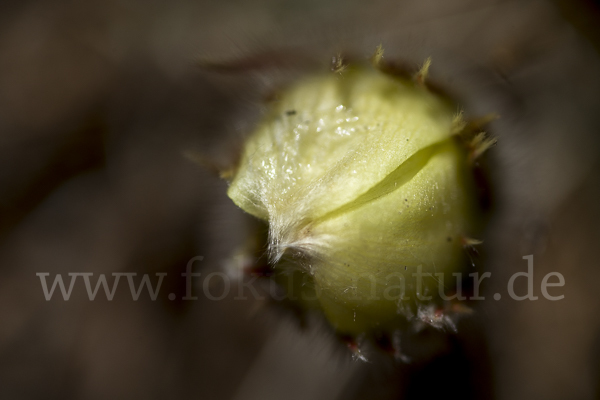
[290,112]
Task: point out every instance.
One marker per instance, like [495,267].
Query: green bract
[363,182]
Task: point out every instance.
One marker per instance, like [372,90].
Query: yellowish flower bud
[364,184]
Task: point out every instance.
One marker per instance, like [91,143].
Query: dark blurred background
[104,108]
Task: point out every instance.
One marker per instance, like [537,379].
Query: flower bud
[364,185]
